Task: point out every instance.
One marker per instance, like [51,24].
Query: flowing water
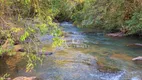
[78,59]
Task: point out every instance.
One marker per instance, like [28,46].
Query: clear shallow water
[112,50]
[77,61]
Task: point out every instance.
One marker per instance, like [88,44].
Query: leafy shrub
[29,18]
[134,25]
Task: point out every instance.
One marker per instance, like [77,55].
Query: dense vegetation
[24,20]
[112,15]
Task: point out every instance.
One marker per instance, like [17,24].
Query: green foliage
[43,28]
[112,15]
[56,32]
[57,42]
[14,29]
[85,16]
[58,38]
[2,51]
[4,76]
[24,36]
[35,18]
[32,61]
[134,25]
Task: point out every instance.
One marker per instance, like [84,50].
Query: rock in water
[21,50]
[135,44]
[45,53]
[25,78]
[139,58]
[102,67]
[138,44]
[118,34]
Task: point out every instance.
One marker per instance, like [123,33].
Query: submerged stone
[102,67]
[45,53]
[121,56]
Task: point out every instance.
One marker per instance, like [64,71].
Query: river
[78,59]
